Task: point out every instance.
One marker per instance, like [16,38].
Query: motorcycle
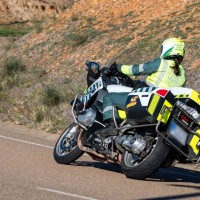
[158,128]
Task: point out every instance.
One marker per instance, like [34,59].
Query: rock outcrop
[12,11]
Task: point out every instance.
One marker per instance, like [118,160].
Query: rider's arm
[141,69]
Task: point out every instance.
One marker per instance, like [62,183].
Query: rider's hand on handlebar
[111,70]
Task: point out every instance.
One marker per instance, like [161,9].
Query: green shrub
[124,39]
[9,32]
[10,82]
[13,65]
[51,96]
[75,39]
[67,5]
[39,117]
[74,17]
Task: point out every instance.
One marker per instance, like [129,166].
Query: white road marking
[32,143]
[66,194]
[41,145]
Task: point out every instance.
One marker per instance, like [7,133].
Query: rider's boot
[109,130]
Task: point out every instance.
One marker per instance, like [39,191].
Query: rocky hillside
[129,31]
[100,30]
[22,11]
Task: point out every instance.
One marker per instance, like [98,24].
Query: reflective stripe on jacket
[160,71]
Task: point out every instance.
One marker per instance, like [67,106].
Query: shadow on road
[104,166]
[173,197]
[176,174]
[172,174]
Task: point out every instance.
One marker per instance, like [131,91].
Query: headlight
[87,117]
[191,111]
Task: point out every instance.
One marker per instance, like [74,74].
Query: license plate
[176,133]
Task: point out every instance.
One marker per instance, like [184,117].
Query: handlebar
[110,75]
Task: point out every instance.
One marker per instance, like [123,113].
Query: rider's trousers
[113,100]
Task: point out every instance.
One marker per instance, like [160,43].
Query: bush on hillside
[50,96]
[13,65]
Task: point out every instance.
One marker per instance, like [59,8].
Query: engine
[135,144]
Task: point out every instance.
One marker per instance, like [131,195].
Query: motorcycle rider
[164,72]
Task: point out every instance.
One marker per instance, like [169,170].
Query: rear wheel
[66,149]
[141,168]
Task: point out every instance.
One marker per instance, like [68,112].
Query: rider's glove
[112,70]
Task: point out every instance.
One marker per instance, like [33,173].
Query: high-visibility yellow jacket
[160,73]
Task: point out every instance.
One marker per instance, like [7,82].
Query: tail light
[184,119]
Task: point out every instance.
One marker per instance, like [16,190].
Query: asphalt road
[28,171]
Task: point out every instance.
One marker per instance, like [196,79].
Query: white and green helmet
[172,47]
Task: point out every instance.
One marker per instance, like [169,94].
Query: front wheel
[146,166]
[66,149]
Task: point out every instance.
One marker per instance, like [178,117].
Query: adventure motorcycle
[158,128]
